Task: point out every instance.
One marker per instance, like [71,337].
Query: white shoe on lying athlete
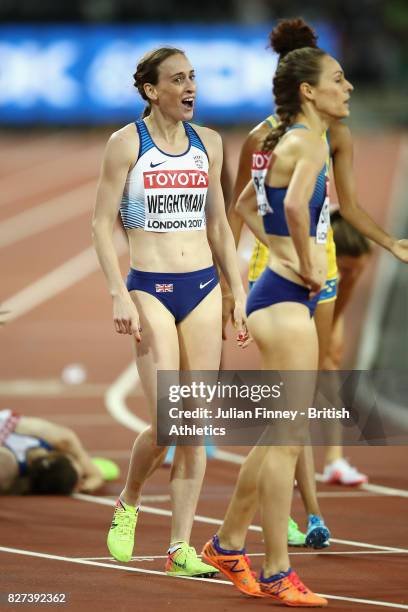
[341,472]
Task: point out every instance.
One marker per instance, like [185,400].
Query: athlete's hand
[314,281]
[90,483]
[240,323]
[228,305]
[313,278]
[400,250]
[126,317]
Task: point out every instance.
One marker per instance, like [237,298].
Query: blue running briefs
[179,292]
[271,288]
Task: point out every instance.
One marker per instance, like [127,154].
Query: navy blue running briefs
[179,292]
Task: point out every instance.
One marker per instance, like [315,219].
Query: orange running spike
[235,566]
[291,591]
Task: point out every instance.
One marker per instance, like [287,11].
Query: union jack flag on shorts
[164,288]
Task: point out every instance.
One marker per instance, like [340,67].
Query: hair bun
[292,34]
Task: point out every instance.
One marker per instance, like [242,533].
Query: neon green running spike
[184,562]
[121,536]
[295,536]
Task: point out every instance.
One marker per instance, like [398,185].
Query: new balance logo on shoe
[232,564]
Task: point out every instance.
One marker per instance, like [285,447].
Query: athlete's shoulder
[124,143]
[339,136]
[208,135]
[128,134]
[211,140]
[258,134]
[305,144]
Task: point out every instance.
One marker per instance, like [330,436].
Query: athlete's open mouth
[188,103]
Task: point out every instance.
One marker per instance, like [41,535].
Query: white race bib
[175,200]
[324,218]
[260,165]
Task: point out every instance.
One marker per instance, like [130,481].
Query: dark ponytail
[299,62]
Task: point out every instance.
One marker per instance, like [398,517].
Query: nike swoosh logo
[202,285]
[152,165]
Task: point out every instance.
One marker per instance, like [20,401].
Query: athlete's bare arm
[119,156]
[341,144]
[247,209]
[310,157]
[218,230]
[252,143]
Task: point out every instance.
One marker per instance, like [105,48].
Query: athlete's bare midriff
[169,251]
[282,252]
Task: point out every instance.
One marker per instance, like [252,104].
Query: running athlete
[310,90]
[40,457]
[165,175]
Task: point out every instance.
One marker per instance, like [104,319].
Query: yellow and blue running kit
[260,253]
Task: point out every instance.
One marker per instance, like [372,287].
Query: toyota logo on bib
[175,179]
[260,160]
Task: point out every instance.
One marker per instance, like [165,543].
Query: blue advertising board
[83,74]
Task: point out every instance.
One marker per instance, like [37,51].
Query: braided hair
[299,62]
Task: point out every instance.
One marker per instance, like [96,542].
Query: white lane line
[115,400]
[33,175]
[321,553]
[57,210]
[372,488]
[49,387]
[370,602]
[29,553]
[104,501]
[56,281]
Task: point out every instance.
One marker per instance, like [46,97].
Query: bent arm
[252,143]
[342,146]
[300,190]
[247,209]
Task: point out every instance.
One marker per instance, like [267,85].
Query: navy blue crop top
[275,222]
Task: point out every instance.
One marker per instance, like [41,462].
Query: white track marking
[104,501]
[56,281]
[369,602]
[30,553]
[57,210]
[33,175]
[372,488]
[115,400]
[49,387]
[291,554]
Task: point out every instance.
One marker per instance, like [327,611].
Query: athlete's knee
[151,438]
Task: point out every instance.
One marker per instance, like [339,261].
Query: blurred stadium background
[66,83]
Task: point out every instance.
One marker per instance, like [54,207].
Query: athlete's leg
[200,349]
[324,323]
[287,339]
[305,469]
[158,350]
[243,505]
